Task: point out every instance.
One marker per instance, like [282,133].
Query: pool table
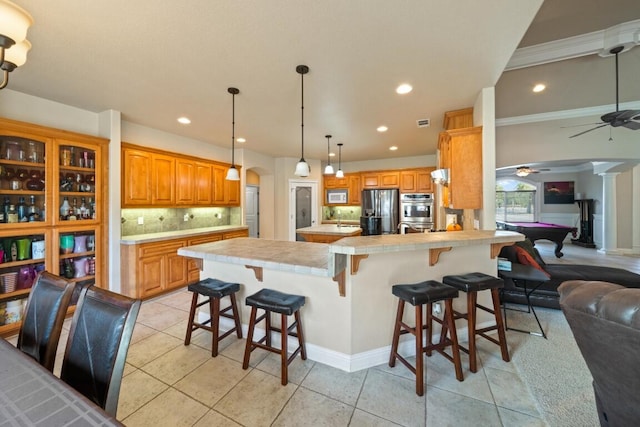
[540,230]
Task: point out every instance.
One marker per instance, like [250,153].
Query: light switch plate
[186,217]
[140,220]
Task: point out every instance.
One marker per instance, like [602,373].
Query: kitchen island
[349,312]
[328,233]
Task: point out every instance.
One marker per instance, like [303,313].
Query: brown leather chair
[98,342]
[44,314]
[605,321]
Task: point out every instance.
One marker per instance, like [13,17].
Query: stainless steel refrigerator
[383,204]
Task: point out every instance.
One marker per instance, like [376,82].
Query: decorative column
[609,219]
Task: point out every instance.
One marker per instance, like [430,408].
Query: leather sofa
[605,321]
[547,294]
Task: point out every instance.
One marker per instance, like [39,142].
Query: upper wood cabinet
[458,119]
[416,180]
[355,189]
[381,179]
[161,179]
[331,182]
[461,152]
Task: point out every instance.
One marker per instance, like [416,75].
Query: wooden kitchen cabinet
[355,189]
[56,165]
[460,150]
[416,180]
[152,178]
[152,268]
[458,119]
[381,179]
[333,182]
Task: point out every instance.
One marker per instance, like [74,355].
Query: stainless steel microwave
[335,197]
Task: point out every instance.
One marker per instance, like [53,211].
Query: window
[515,201]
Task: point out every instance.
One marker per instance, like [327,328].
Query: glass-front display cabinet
[53,193]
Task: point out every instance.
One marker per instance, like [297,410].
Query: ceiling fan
[629,119]
[526,170]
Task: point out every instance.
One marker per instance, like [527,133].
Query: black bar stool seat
[472,283]
[214,290]
[418,295]
[286,305]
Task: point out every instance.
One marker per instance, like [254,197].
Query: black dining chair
[43,318]
[98,342]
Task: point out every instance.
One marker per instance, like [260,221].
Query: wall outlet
[140,220]
[186,217]
[437,308]
[218,215]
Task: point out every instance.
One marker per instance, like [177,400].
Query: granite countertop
[420,241]
[166,235]
[297,257]
[330,229]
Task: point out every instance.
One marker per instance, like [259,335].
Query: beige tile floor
[169,384]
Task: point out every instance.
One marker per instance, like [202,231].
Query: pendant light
[329,169]
[340,174]
[232,173]
[302,168]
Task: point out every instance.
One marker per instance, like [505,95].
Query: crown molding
[597,42]
[566,114]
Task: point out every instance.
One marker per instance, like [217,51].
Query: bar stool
[285,304]
[473,283]
[215,290]
[418,295]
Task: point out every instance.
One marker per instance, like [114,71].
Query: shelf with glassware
[76,196]
[22,256]
[78,255]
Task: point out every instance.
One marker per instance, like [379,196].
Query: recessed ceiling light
[393,148]
[382,129]
[184,120]
[404,88]
[241,140]
[539,87]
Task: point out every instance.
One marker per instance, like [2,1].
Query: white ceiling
[155,60]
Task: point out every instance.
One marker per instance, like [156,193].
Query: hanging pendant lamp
[329,169]
[340,174]
[232,173]
[302,168]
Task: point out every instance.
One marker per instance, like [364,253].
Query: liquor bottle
[7,203]
[84,211]
[23,215]
[33,212]
[64,209]
[92,208]
[12,215]
[73,211]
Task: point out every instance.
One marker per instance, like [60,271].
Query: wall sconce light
[329,169]
[302,168]
[14,23]
[232,173]
[340,174]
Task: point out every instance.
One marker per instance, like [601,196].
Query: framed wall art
[558,193]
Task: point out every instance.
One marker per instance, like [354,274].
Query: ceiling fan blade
[589,130]
[583,124]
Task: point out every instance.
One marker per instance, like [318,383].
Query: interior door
[252,209]
[303,206]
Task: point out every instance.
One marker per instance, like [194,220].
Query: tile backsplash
[346,213]
[172,219]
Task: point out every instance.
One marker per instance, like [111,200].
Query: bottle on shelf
[73,211]
[12,215]
[33,212]
[72,159]
[23,215]
[5,208]
[64,209]
[83,210]
[92,208]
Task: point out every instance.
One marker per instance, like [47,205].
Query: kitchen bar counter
[350,327]
[165,235]
[328,233]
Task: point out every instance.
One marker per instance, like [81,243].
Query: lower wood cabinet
[152,268]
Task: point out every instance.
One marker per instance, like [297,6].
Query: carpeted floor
[553,369]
